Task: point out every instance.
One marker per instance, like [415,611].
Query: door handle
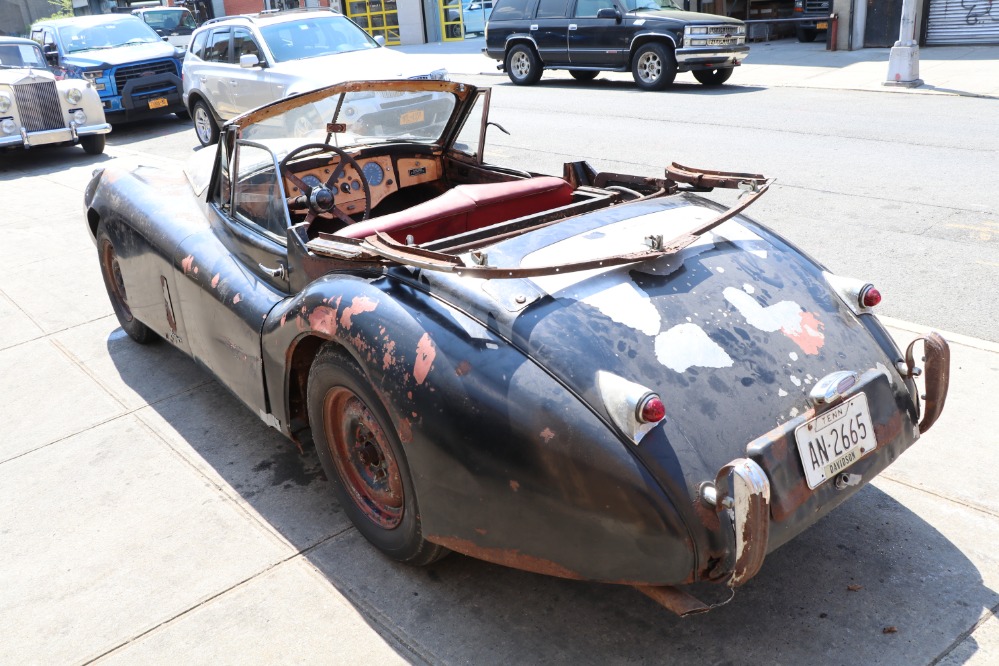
[279,273]
[534,26]
[572,26]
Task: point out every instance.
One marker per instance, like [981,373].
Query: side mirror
[380,39]
[609,13]
[248,60]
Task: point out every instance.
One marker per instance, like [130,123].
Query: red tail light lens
[652,409]
[869,296]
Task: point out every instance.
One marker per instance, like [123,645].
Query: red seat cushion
[467,207]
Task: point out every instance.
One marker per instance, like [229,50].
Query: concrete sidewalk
[952,70]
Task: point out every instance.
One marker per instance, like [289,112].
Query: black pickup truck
[653,39]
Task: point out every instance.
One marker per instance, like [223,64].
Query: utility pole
[903,64]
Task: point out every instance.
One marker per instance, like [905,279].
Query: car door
[233,273]
[550,31]
[214,72]
[249,87]
[598,42]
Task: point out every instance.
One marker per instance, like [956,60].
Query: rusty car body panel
[509,356]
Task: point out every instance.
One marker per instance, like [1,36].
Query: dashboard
[385,174]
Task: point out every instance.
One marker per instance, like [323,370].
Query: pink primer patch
[187,263]
[808,334]
[236,299]
[357,306]
[388,360]
[547,435]
[425,355]
[323,319]
[215,280]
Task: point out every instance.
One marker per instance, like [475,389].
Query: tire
[205,126]
[93,143]
[806,34]
[522,66]
[713,77]
[363,458]
[583,74]
[653,67]
[108,257]
[454,31]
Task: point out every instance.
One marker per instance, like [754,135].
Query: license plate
[158,103]
[835,439]
[821,25]
[411,117]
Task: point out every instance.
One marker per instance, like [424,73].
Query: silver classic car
[38,110]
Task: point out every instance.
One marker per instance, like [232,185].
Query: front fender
[508,465]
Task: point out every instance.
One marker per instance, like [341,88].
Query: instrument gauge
[373,173]
[311,181]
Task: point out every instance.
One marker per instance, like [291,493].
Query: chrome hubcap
[521,65]
[650,67]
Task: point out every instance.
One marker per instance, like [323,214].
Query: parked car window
[552,8]
[21,55]
[243,44]
[258,199]
[198,45]
[312,37]
[507,10]
[589,8]
[467,140]
[127,30]
[218,47]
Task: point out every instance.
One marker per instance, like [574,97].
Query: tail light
[634,409]
[860,296]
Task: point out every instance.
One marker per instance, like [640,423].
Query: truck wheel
[363,458]
[522,66]
[93,143]
[713,77]
[115,286]
[653,67]
[204,124]
[583,74]
[805,34]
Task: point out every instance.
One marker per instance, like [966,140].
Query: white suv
[238,63]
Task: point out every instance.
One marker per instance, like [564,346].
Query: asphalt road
[147,517]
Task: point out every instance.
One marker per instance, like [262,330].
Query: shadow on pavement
[871,583]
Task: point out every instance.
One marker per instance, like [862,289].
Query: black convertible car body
[596,376]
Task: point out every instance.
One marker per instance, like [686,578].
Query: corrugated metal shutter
[963,22]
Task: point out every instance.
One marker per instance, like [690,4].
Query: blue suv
[136,73]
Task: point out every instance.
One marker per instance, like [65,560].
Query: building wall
[17,15]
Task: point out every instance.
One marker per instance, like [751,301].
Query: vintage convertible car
[596,376]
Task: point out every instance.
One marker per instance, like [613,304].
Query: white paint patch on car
[687,345]
[785,314]
[626,304]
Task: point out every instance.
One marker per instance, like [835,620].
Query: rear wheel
[204,124]
[653,67]
[522,66]
[93,143]
[713,77]
[363,458]
[583,74]
[115,285]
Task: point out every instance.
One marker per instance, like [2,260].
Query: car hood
[105,58]
[380,63]
[732,332]
[686,17]
[25,75]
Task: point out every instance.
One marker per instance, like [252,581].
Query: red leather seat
[467,207]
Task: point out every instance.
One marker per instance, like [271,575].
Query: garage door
[963,22]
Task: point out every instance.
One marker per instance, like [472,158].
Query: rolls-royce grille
[38,104]
[123,75]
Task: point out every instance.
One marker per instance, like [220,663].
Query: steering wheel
[320,199]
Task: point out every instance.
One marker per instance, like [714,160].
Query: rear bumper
[49,137]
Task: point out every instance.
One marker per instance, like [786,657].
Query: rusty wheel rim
[363,457]
[112,272]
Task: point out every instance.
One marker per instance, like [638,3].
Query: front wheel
[115,285]
[522,66]
[653,67]
[204,124]
[93,144]
[363,458]
[583,74]
[713,77]
[805,34]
